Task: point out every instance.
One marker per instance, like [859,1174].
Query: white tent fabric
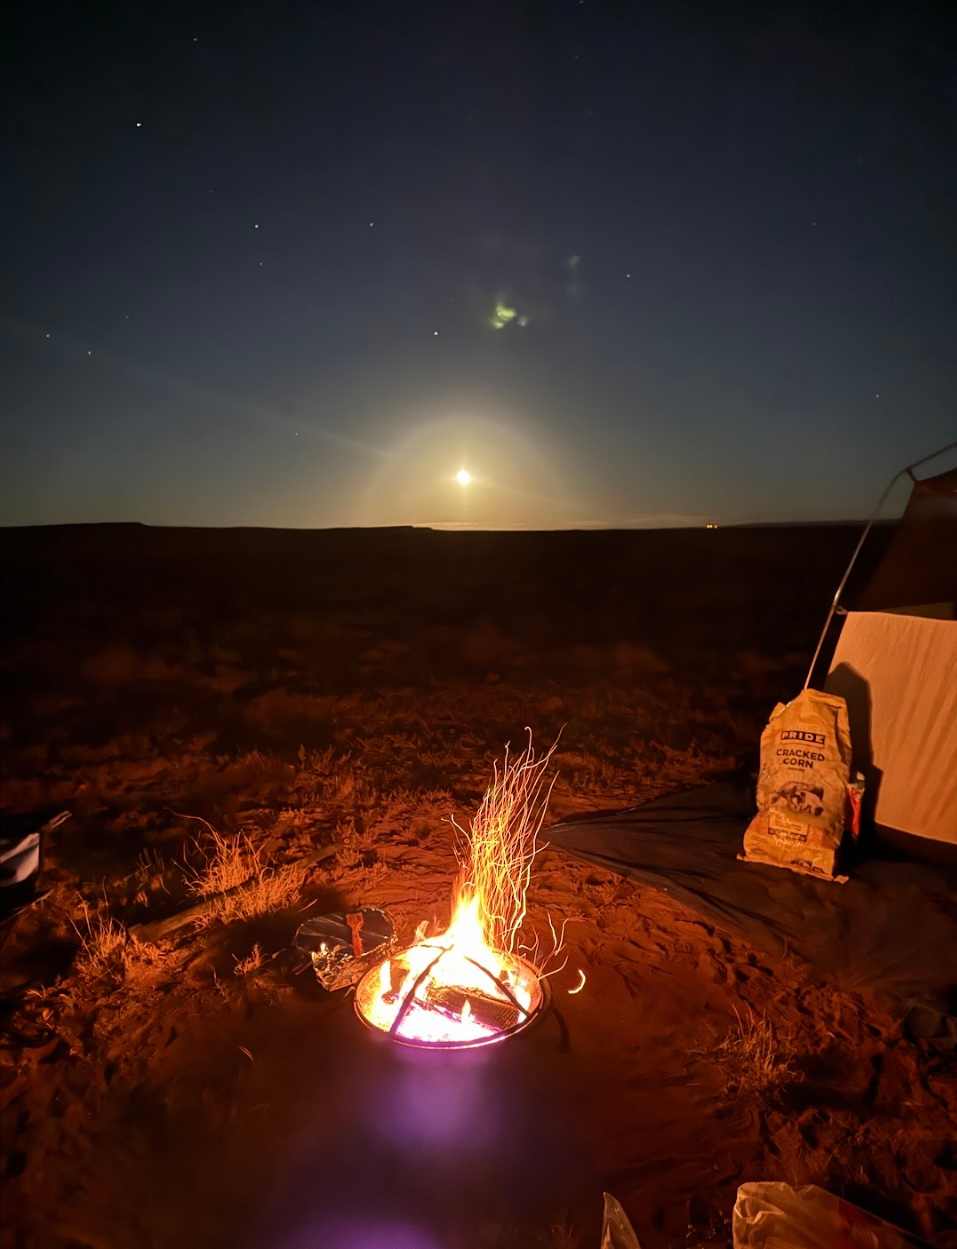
[898,674]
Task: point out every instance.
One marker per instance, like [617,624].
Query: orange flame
[474,960]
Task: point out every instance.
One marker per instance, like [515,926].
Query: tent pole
[908,469]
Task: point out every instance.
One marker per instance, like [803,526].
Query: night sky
[298,264]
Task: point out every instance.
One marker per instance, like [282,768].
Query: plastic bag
[777,1216]
[616,1231]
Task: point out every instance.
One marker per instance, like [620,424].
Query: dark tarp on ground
[891,929]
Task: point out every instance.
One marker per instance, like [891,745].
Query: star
[371,225]
[435,333]
[89,353]
[139,125]
[627,275]
[48,334]
[255,225]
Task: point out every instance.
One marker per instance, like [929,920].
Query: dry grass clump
[270,889]
[251,963]
[242,886]
[756,1060]
[561,1235]
[102,941]
[227,863]
[108,953]
[352,845]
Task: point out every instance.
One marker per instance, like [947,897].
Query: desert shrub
[251,963]
[122,665]
[352,845]
[227,863]
[102,940]
[755,1058]
[636,659]
[292,717]
[270,889]
[561,1235]
[254,771]
[233,876]
[108,955]
[486,646]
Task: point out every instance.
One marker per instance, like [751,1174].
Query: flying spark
[578,987]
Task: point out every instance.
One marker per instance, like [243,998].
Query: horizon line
[454,526]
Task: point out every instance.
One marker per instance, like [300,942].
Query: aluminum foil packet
[342,946]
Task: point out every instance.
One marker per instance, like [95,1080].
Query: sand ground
[351,691]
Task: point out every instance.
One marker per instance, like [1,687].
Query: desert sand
[349,691]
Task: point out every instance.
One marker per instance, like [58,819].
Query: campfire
[475,983]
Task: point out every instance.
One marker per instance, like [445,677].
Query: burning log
[458,1004]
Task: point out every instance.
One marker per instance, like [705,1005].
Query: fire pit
[450,1002]
[469,986]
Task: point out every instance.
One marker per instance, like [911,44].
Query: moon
[463,477]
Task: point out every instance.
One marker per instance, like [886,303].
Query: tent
[895,662]
[892,929]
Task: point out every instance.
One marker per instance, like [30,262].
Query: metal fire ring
[534,1013]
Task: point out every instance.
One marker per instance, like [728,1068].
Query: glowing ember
[469,986]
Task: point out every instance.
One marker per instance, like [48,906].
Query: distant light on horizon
[463,477]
